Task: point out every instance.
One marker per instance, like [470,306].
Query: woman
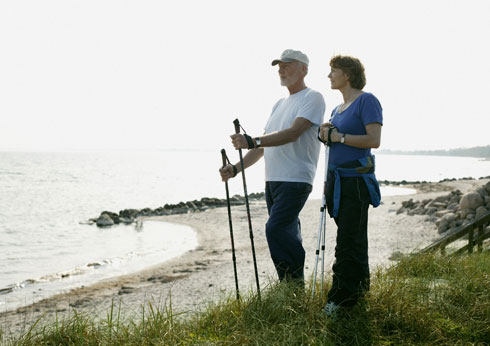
[354,128]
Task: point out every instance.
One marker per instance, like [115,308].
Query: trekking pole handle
[223,156]
[237,125]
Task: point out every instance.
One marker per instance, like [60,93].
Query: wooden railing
[477,239]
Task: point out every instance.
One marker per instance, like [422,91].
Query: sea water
[45,197]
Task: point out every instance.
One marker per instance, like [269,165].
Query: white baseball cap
[290,55]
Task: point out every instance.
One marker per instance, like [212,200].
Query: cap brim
[277,61]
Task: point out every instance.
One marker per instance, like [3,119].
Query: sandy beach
[205,274]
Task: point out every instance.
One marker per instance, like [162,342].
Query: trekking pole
[321,230]
[225,159]
[323,223]
[237,130]
[327,152]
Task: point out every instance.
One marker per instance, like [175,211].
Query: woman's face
[338,79]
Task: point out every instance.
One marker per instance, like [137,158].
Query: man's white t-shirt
[295,161]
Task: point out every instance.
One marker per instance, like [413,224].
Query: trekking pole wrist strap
[250,141]
[235,170]
[329,138]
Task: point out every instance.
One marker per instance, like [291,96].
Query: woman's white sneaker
[331,310]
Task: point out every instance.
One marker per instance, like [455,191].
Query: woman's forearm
[362,141]
[372,138]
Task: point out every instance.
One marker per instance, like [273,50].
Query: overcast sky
[175,74]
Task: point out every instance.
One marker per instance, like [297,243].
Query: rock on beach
[452,210]
[471,200]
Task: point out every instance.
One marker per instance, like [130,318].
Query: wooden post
[470,240]
[480,238]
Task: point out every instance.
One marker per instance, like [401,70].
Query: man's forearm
[288,135]
[280,137]
[251,157]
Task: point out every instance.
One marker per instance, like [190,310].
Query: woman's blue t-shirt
[365,110]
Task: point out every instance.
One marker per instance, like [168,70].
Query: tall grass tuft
[425,299]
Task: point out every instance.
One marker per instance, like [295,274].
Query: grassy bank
[424,300]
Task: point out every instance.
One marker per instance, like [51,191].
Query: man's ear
[305,69]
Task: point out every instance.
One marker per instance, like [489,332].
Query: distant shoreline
[405,182]
[477,152]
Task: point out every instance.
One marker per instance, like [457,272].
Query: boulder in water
[105,220]
[113,216]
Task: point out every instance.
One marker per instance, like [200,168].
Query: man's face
[290,72]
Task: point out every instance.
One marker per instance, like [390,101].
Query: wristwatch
[342,139]
[257,142]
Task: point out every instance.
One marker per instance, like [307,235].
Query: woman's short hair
[352,67]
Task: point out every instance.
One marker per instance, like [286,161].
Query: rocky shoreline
[453,210]
[129,216]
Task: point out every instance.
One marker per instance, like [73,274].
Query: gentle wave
[174,240]
[11,173]
[79,270]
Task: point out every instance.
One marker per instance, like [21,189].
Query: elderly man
[290,149]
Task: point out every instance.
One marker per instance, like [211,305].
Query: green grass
[424,300]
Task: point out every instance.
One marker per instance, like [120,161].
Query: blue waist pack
[364,168]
